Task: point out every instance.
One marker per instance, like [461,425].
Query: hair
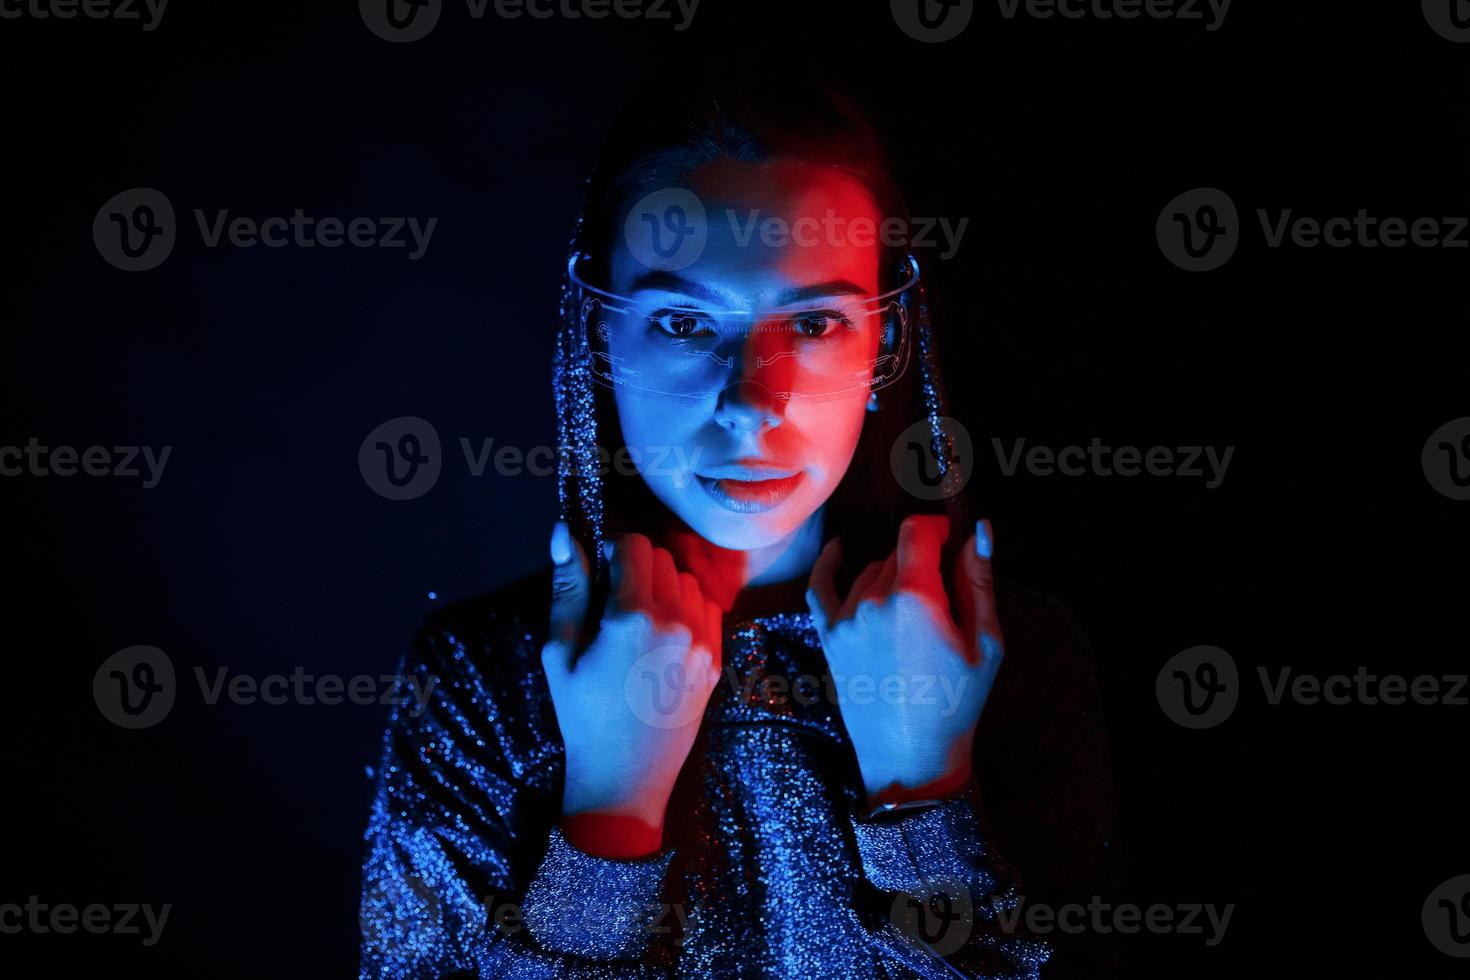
[755,110]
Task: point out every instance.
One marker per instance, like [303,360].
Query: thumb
[570,588]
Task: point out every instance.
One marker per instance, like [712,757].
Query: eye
[682,324]
[818,323]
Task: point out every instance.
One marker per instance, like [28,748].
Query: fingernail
[983,544]
[607,548]
[561,543]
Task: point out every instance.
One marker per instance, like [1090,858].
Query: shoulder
[481,659]
[506,618]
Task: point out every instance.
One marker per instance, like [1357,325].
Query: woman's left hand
[911,681]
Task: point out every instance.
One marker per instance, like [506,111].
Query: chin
[741,532]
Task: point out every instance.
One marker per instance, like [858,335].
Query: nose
[747,406]
[749,402]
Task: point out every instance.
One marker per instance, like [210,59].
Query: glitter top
[766,870]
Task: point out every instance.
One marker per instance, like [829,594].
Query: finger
[860,588]
[636,554]
[614,557]
[715,618]
[975,592]
[821,592]
[570,588]
[883,585]
[691,606]
[664,590]
[920,538]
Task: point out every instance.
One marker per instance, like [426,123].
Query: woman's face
[748,452]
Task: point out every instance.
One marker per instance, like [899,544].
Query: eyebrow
[671,282]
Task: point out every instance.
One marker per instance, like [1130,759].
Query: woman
[729,732]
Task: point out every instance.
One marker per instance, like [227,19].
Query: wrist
[617,836]
[613,821]
[910,789]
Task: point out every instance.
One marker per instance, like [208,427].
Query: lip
[749,490]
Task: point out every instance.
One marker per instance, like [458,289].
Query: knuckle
[678,635]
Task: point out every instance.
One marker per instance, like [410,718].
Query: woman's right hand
[630,704]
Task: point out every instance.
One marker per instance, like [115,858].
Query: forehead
[774,225]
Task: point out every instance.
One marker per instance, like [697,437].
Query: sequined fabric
[766,872]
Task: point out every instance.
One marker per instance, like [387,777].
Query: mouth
[749,490]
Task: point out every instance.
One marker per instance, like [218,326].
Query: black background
[262,548]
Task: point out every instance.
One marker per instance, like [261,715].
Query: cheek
[830,432]
[659,435]
[640,423]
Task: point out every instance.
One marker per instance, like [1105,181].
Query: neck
[768,579]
